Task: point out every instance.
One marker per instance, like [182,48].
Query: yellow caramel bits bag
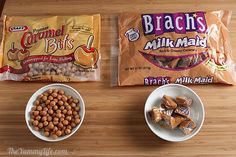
[51,48]
[185,48]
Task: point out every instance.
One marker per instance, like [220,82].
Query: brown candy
[165,110]
[183,111]
[176,120]
[171,121]
[52,118]
[187,126]
[177,63]
[156,114]
[168,102]
[184,101]
[170,115]
[184,62]
[174,63]
[165,121]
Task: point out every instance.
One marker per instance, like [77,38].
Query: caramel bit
[53,119]
[156,114]
[184,101]
[168,102]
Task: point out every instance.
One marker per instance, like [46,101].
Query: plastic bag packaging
[184,48]
[51,48]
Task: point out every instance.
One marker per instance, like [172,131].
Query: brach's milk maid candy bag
[185,48]
[56,48]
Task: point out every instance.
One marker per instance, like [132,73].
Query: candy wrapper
[183,48]
[168,102]
[51,48]
[172,115]
[171,121]
[183,111]
[156,114]
[183,101]
[167,111]
[187,126]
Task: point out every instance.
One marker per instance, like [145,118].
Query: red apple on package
[86,56]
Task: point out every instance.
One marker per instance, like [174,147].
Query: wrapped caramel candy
[171,121]
[169,102]
[187,126]
[184,101]
[165,121]
[176,120]
[182,110]
[165,110]
[171,114]
[156,114]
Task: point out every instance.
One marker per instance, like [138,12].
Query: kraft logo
[17,28]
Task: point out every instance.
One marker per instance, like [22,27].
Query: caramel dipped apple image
[86,56]
[12,53]
[22,54]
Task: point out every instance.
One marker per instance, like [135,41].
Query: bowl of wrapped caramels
[174,112]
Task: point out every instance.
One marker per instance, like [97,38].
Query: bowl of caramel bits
[55,112]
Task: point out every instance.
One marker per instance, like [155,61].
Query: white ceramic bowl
[69,91]
[197,112]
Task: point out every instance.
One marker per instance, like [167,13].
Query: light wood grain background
[114,124]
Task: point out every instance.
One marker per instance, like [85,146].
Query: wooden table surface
[114,124]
